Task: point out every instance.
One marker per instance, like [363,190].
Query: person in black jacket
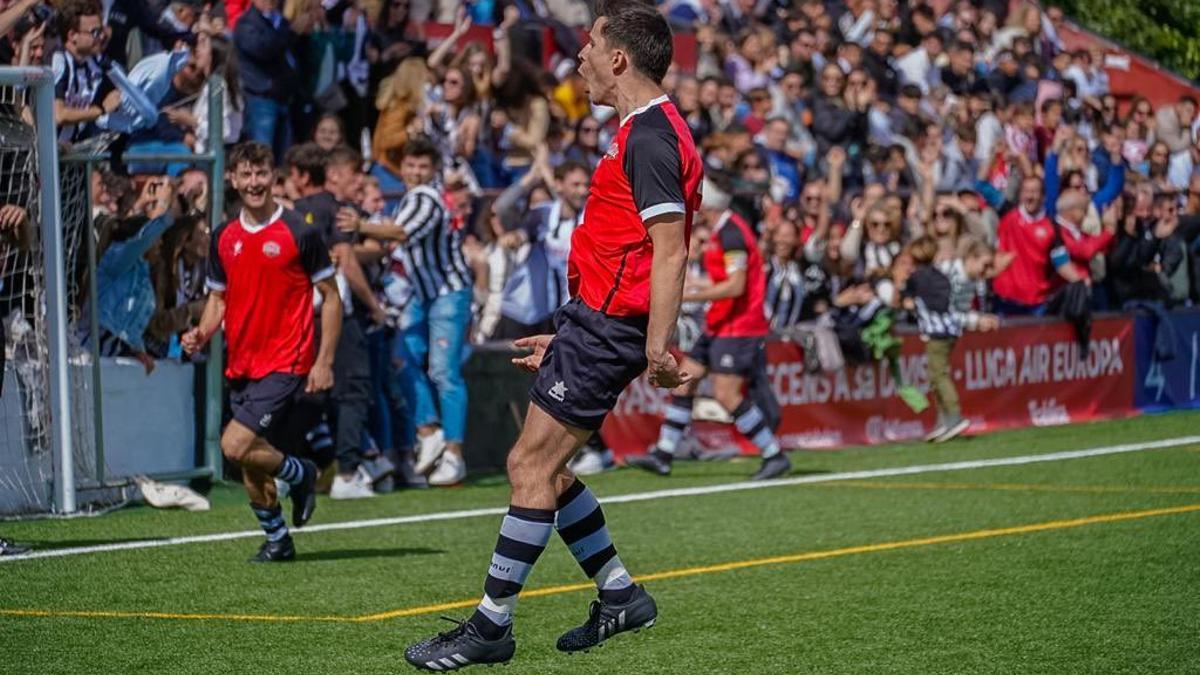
[840,112]
[264,41]
[125,15]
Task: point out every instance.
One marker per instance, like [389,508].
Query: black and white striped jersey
[77,85]
[785,293]
[432,254]
[931,292]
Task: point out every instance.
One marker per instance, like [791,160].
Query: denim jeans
[433,336]
[390,422]
[267,121]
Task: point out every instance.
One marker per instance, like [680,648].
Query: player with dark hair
[261,270]
[626,272]
[732,349]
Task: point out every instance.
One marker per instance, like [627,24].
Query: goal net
[27,410]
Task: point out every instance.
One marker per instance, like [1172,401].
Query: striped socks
[270,519]
[290,471]
[750,421]
[675,423]
[580,523]
[523,536]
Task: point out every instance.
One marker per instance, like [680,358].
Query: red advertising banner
[1019,376]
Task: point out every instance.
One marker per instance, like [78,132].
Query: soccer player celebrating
[732,347]
[261,270]
[626,272]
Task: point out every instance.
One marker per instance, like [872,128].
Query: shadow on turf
[359,553]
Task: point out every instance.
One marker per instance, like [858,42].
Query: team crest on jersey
[237,247]
[271,249]
[612,151]
[1042,232]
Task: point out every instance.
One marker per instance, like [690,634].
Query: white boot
[357,486]
[429,448]
[450,471]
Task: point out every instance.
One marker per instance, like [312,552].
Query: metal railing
[214,161]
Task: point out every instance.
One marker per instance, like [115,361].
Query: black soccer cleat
[304,495]
[655,461]
[773,467]
[460,647]
[275,551]
[9,548]
[606,620]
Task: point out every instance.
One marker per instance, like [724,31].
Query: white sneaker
[357,486]
[590,462]
[429,448]
[450,471]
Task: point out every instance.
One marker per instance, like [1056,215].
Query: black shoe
[304,495]
[774,467]
[657,461]
[9,548]
[460,647]
[606,620]
[275,551]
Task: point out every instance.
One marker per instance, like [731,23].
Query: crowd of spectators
[449,171]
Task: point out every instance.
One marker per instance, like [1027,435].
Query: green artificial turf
[1105,597]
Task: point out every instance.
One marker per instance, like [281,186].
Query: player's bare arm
[667,271]
[210,322]
[320,378]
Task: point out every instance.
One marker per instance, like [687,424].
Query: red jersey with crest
[651,168]
[731,248]
[267,271]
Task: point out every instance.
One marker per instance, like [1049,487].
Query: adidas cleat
[304,495]
[460,647]
[606,620]
[773,467]
[275,551]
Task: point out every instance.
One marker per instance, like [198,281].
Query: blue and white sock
[290,471]
[270,519]
[675,423]
[580,523]
[524,534]
[750,421]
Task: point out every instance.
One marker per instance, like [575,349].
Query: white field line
[634,497]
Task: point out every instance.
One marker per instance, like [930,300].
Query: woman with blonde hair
[402,106]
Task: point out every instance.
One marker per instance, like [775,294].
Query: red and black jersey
[733,247]
[267,271]
[651,168]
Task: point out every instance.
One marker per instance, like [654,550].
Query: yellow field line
[1015,487]
[657,576]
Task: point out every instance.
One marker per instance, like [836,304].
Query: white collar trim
[658,101]
[253,227]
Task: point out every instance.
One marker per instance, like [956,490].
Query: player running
[732,348]
[261,270]
[626,271]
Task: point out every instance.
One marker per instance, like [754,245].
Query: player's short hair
[641,32]
[421,146]
[344,155]
[70,11]
[308,159]
[566,168]
[253,153]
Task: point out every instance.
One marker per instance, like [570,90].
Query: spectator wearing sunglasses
[81,92]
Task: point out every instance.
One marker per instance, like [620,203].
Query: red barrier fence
[1019,376]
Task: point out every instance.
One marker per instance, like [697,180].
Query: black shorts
[264,405]
[591,360]
[743,356]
